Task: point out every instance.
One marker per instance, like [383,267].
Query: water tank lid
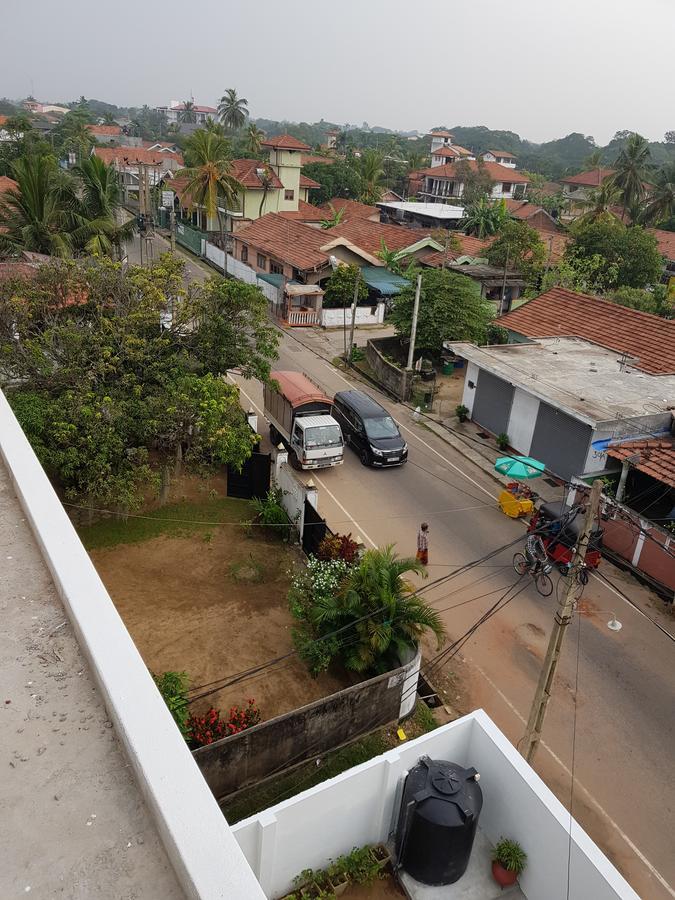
[446,781]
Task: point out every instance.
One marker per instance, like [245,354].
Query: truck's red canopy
[298,389]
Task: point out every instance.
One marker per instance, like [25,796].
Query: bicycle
[538,570]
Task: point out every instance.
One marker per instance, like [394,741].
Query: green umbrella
[520,467]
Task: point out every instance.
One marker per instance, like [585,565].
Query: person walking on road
[423,544]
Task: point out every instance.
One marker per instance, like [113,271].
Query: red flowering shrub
[206,729]
[338,546]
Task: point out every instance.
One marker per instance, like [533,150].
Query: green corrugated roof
[383,280]
[274,278]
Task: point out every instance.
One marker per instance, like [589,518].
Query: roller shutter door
[560,441]
[492,403]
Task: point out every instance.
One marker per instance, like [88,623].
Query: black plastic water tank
[437,821]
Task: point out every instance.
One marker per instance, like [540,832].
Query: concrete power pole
[357,284]
[562,619]
[413,330]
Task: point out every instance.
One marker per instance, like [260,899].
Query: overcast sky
[538,67]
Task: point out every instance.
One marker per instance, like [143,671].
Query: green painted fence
[189,237]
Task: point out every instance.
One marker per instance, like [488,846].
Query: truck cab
[315,441]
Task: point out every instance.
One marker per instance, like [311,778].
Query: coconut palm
[254,137]
[188,114]
[99,231]
[594,160]
[661,202]
[386,617]
[233,110]
[372,173]
[416,161]
[601,200]
[40,215]
[484,218]
[214,127]
[631,169]
[209,177]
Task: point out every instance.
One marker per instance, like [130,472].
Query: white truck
[300,418]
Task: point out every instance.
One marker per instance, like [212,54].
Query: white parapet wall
[365,315]
[207,859]
[359,807]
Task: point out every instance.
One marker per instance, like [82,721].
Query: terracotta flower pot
[503,877]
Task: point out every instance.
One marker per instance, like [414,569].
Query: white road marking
[578,785]
[339,375]
[250,399]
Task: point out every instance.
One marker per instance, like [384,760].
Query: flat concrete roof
[73,823]
[578,376]
[433,210]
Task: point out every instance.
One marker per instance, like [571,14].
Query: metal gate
[314,531]
[492,403]
[254,478]
[560,441]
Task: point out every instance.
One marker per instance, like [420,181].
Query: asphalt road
[620,743]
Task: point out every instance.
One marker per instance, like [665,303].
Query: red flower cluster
[202,730]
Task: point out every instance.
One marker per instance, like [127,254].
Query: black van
[369,429]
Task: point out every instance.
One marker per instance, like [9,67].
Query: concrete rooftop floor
[72,821]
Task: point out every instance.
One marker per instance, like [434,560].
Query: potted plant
[337,877]
[503,441]
[462,412]
[508,861]
[380,855]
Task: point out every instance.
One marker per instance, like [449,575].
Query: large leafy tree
[341,285]
[209,175]
[101,388]
[628,256]
[476,179]
[520,248]
[631,170]
[451,309]
[233,110]
[339,179]
[656,301]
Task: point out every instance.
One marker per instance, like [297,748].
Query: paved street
[624,794]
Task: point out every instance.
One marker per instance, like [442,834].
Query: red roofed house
[134,162]
[106,134]
[503,157]
[175,108]
[577,188]
[578,370]
[441,183]
[351,209]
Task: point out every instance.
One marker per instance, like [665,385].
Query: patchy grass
[174,520]
[255,799]
[248,570]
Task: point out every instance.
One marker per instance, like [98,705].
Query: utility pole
[562,619]
[357,284]
[413,330]
[172,225]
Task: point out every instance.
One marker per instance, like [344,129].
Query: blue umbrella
[520,467]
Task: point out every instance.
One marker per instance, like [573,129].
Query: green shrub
[462,412]
[270,512]
[503,441]
[173,688]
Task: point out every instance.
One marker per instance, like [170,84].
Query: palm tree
[233,110]
[335,217]
[99,232]
[40,215]
[661,203]
[372,173]
[209,177]
[188,114]
[631,170]
[484,218]
[108,119]
[255,138]
[214,127]
[416,161]
[267,180]
[390,258]
[601,200]
[386,616]
[594,160]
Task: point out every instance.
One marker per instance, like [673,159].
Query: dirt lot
[209,600]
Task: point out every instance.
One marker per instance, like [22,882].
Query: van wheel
[294,461]
[365,458]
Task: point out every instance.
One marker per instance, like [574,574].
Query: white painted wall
[199,842]
[360,806]
[365,315]
[239,270]
[469,394]
[522,420]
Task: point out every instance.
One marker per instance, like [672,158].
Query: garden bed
[200,593]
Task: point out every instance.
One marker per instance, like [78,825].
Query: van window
[382,427]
